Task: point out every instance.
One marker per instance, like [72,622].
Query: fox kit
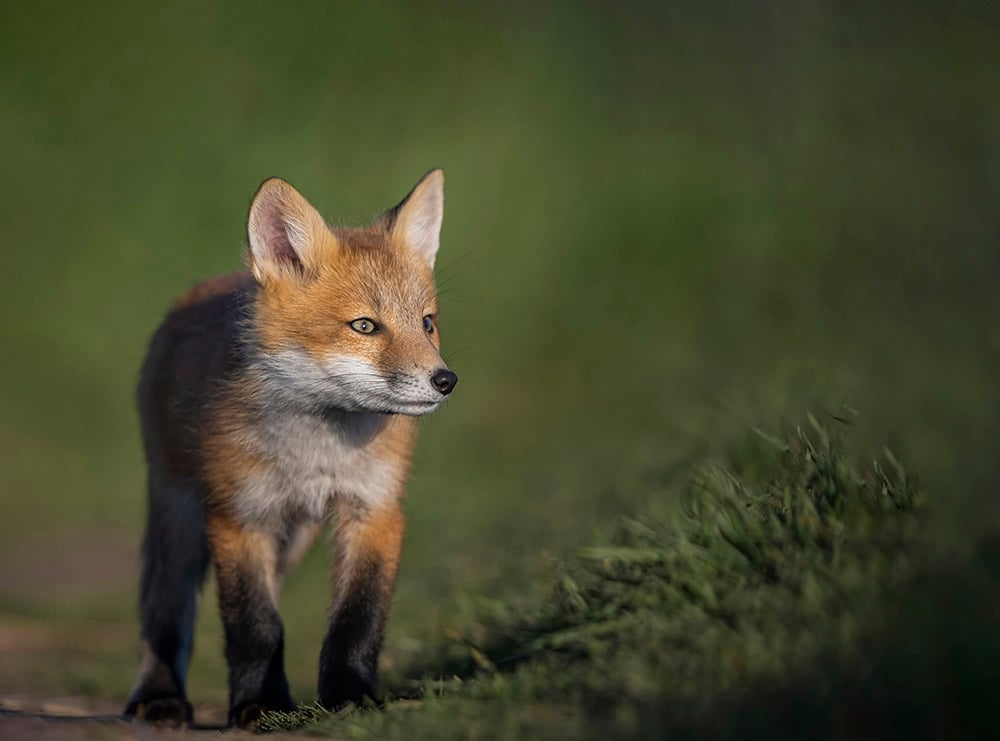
[272,400]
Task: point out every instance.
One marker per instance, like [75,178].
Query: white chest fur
[308,460]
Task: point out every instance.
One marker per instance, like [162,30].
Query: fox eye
[363,326]
[429,324]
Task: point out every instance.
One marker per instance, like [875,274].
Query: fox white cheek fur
[348,383]
[356,381]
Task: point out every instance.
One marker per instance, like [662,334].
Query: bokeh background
[664,222]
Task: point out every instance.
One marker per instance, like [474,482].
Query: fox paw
[246,716]
[163,711]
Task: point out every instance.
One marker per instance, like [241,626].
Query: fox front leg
[246,574]
[368,542]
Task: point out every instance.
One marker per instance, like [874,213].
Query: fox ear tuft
[416,222]
[283,231]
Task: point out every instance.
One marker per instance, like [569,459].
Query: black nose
[444,381]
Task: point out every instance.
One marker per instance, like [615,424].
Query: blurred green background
[664,222]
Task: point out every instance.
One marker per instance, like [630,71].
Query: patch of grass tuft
[303,715]
[773,565]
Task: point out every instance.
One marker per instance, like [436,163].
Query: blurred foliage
[663,222]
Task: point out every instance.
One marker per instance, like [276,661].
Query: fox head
[347,318]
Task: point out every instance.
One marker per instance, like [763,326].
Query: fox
[274,400]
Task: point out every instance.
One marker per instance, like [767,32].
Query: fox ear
[416,222]
[284,232]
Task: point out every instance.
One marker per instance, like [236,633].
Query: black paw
[348,688]
[163,711]
[247,714]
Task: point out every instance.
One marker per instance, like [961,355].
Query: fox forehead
[358,274]
[370,274]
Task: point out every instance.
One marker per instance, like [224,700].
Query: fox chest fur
[291,465]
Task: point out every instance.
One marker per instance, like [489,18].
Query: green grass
[775,577]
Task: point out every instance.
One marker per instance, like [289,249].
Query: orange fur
[364,275]
[367,536]
[236,548]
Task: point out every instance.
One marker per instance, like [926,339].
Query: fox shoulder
[213,287]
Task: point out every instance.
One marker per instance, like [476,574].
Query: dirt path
[46,645]
[33,651]
[23,717]
[66,718]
